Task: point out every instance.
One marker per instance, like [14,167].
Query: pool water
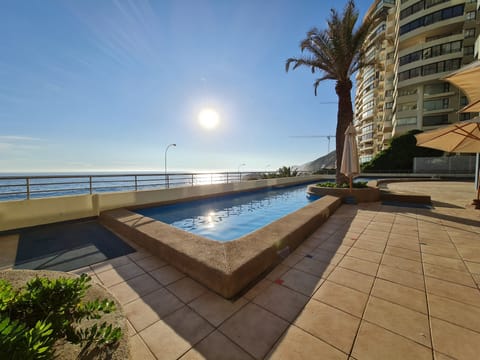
[229,217]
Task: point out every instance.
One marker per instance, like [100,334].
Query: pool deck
[373,282]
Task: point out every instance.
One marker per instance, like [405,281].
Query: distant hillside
[325,162]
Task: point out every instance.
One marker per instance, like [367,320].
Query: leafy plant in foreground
[46,310]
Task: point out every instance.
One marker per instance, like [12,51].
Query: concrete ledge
[226,268]
[369,194]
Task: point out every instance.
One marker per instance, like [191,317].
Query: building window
[463,101]
[389,105]
[407,91]
[469,33]
[407,106]
[471,15]
[388,93]
[407,121]
[433,51]
[430,3]
[432,120]
[465,116]
[438,104]
[437,88]
[418,6]
[432,18]
[468,50]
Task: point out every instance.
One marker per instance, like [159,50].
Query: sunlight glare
[208,118]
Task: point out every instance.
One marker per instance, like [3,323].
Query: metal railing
[31,187]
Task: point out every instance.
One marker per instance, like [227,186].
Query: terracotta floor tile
[342,297]
[257,289]
[139,254]
[282,301]
[296,344]
[301,281]
[139,350]
[339,249]
[370,245]
[331,325]
[403,264]
[408,245]
[374,342]
[119,274]
[473,267]
[398,319]
[278,271]
[443,273]
[292,259]
[134,288]
[453,291]
[367,255]
[362,266]
[440,251]
[150,263]
[150,308]
[469,253]
[164,342]
[215,308]
[403,253]
[188,324]
[167,275]
[402,277]
[216,346]
[111,264]
[326,256]
[352,279]
[455,312]
[254,329]
[186,289]
[455,341]
[314,267]
[401,295]
[450,263]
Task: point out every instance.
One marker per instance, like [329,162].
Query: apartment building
[423,41]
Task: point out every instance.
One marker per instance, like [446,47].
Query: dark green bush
[355,185]
[34,317]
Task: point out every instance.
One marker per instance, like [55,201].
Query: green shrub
[355,185]
[33,318]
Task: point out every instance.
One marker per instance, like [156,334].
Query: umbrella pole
[351,184]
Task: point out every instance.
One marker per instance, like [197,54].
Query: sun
[208,118]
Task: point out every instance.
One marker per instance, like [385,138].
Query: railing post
[28,188]
[211,179]
[91,184]
[136,185]
[227,177]
[192,179]
[167,183]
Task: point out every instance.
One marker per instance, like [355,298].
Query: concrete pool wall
[24,213]
[224,267]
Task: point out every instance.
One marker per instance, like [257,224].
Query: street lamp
[239,166]
[166,178]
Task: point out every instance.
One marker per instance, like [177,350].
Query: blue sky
[106,85]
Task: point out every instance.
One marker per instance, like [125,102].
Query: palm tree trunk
[344,118]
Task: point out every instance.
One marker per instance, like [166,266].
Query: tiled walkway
[374,282]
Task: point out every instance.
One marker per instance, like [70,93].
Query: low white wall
[24,213]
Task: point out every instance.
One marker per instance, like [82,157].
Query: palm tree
[338,52]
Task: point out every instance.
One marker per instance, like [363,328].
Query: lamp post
[166,176]
[238,170]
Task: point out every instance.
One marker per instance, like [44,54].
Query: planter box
[368,194]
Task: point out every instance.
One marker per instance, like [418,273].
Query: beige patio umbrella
[350,165]
[467,79]
[460,137]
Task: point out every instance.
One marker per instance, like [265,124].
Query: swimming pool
[229,217]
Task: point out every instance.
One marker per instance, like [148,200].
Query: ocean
[21,186]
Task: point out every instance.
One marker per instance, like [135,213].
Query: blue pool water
[229,217]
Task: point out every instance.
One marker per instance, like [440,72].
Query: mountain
[325,162]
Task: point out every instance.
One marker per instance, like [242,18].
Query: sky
[107,85]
